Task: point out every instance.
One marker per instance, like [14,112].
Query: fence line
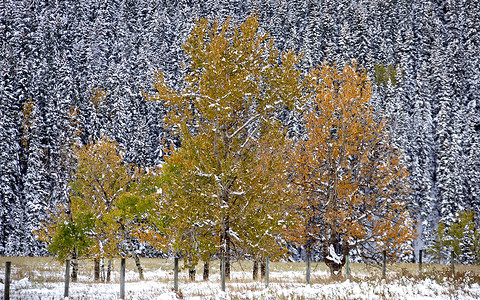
[222,273]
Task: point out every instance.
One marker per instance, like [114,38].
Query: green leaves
[131,205]
[72,237]
[111,202]
[386,74]
[462,237]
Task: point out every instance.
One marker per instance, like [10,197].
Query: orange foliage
[351,181]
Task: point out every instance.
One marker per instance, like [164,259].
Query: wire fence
[240,268]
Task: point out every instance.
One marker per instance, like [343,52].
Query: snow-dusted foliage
[55,53]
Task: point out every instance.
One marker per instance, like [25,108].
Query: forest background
[55,55]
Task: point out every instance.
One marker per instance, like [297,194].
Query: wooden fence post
[420,260]
[6,291]
[267,272]
[347,266]
[222,272]
[384,267]
[175,274]
[67,277]
[206,270]
[308,269]
[453,262]
[122,278]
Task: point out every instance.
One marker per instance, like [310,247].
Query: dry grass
[47,269]
[38,269]
[284,276]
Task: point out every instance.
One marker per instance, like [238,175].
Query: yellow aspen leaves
[235,83]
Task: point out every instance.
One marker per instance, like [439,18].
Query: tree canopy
[351,180]
[235,84]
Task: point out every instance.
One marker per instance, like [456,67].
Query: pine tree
[11,211]
[20,50]
[55,52]
[35,184]
[472,74]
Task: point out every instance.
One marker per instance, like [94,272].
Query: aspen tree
[111,204]
[235,83]
[351,181]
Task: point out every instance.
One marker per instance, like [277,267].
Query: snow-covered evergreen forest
[56,54]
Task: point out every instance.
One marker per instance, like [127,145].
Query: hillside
[56,54]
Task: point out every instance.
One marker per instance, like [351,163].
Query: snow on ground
[284,285]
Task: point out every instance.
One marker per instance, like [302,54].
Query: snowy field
[43,280]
